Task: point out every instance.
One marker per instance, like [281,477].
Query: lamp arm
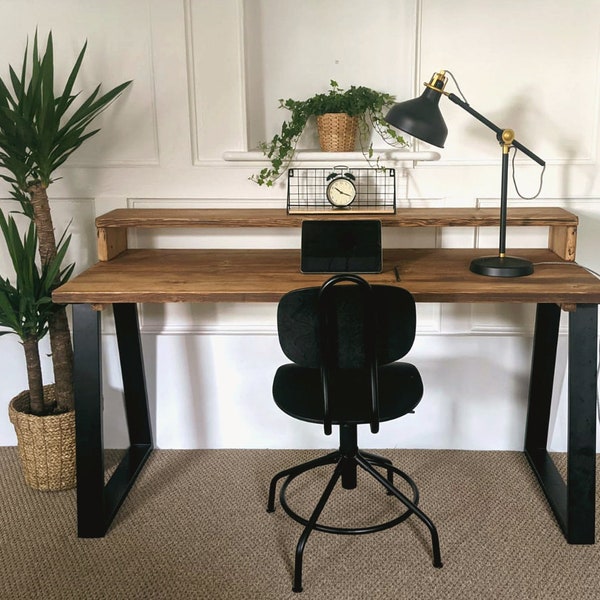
[497,130]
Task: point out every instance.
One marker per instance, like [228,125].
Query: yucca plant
[39,131]
[26,305]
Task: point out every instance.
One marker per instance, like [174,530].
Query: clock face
[341,192]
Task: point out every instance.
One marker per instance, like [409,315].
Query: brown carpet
[195,526]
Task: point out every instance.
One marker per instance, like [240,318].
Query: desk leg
[134,379]
[97,504]
[581,462]
[573,503]
[87,385]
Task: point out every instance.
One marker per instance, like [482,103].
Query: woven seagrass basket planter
[46,445]
[337,132]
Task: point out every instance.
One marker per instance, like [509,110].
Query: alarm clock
[341,189]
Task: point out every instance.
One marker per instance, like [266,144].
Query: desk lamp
[422,118]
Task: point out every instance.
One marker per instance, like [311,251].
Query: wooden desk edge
[278,217]
[432,275]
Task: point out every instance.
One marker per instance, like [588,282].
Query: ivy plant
[356,101]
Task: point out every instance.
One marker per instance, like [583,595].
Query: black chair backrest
[298,324]
[347,327]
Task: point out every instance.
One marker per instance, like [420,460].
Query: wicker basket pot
[337,132]
[46,445]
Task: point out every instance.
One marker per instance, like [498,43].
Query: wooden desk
[433,275]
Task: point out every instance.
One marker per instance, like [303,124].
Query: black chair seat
[298,392]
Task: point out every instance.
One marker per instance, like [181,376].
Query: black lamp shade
[420,117]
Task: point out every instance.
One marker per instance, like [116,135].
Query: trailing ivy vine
[356,101]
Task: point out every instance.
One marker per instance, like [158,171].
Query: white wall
[207,77]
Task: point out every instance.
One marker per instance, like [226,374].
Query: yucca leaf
[83,110]
[8,314]
[69,146]
[23,128]
[17,85]
[92,107]
[66,97]
[23,199]
[5,95]
[66,273]
[54,266]
[46,122]
[8,178]
[31,97]
[105,101]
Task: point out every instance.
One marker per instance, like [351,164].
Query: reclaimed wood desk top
[277,217]
[430,274]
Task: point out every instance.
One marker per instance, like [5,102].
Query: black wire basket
[375,190]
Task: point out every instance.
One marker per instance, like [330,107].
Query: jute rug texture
[195,527]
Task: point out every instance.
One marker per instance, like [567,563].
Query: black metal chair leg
[310,526]
[435,541]
[381,461]
[328,459]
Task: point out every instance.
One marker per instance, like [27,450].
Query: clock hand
[340,191]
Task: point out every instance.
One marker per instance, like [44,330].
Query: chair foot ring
[351,530]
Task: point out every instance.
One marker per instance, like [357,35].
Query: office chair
[343,341]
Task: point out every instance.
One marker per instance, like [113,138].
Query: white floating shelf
[316,156]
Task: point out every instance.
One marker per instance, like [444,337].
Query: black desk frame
[573,502]
[97,503]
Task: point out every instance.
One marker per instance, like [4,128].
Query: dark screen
[341,246]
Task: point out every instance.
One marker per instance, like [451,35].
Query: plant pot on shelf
[46,445]
[337,132]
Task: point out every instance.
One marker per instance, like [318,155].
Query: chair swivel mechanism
[344,339]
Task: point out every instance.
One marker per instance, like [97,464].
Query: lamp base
[501,266]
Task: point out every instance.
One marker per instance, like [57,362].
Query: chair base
[347,459]
[334,458]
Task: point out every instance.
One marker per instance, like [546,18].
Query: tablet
[341,246]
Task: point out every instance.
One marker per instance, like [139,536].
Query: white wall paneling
[207,78]
[215,57]
[286,40]
[115,54]
[514,66]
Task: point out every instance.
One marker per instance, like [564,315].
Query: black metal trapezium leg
[435,540]
[581,461]
[573,503]
[87,387]
[541,380]
[134,379]
[98,504]
[311,524]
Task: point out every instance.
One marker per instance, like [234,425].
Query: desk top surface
[431,275]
